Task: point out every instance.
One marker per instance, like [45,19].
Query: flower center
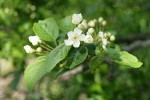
[74,37]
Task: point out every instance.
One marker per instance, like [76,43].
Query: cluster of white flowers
[103,39]
[35,40]
[76,36]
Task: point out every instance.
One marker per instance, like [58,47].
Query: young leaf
[123,57]
[129,60]
[56,55]
[79,57]
[95,62]
[34,72]
[66,25]
[47,29]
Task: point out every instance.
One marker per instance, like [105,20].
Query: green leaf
[43,65]
[95,62]
[56,55]
[47,29]
[66,25]
[34,72]
[129,60]
[79,57]
[123,57]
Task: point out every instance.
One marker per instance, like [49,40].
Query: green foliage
[44,65]
[124,18]
[124,58]
[78,57]
[34,72]
[128,60]
[95,62]
[46,30]
[56,55]
[66,25]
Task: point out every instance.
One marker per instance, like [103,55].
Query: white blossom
[39,49]
[35,40]
[112,38]
[76,18]
[100,19]
[104,22]
[84,23]
[28,49]
[91,23]
[88,39]
[104,47]
[103,39]
[90,31]
[74,38]
[101,34]
[80,26]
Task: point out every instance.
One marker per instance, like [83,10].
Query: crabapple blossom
[28,49]
[100,19]
[35,40]
[91,23]
[88,39]
[76,18]
[90,30]
[39,49]
[74,38]
[84,23]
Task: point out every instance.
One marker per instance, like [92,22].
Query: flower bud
[76,18]
[100,19]
[88,39]
[39,49]
[95,20]
[91,23]
[80,26]
[90,30]
[101,34]
[35,40]
[104,23]
[28,49]
[104,47]
[84,23]
[112,38]
[108,34]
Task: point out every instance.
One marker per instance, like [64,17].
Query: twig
[67,75]
[131,38]
[137,44]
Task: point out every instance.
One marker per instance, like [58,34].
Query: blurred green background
[129,19]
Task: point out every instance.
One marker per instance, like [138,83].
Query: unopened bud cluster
[34,40]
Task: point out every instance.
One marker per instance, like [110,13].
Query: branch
[136,45]
[67,75]
[131,38]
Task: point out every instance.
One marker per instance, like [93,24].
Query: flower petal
[104,41]
[68,42]
[82,37]
[77,31]
[104,47]
[76,18]
[76,44]
[69,34]
[88,39]
[101,34]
